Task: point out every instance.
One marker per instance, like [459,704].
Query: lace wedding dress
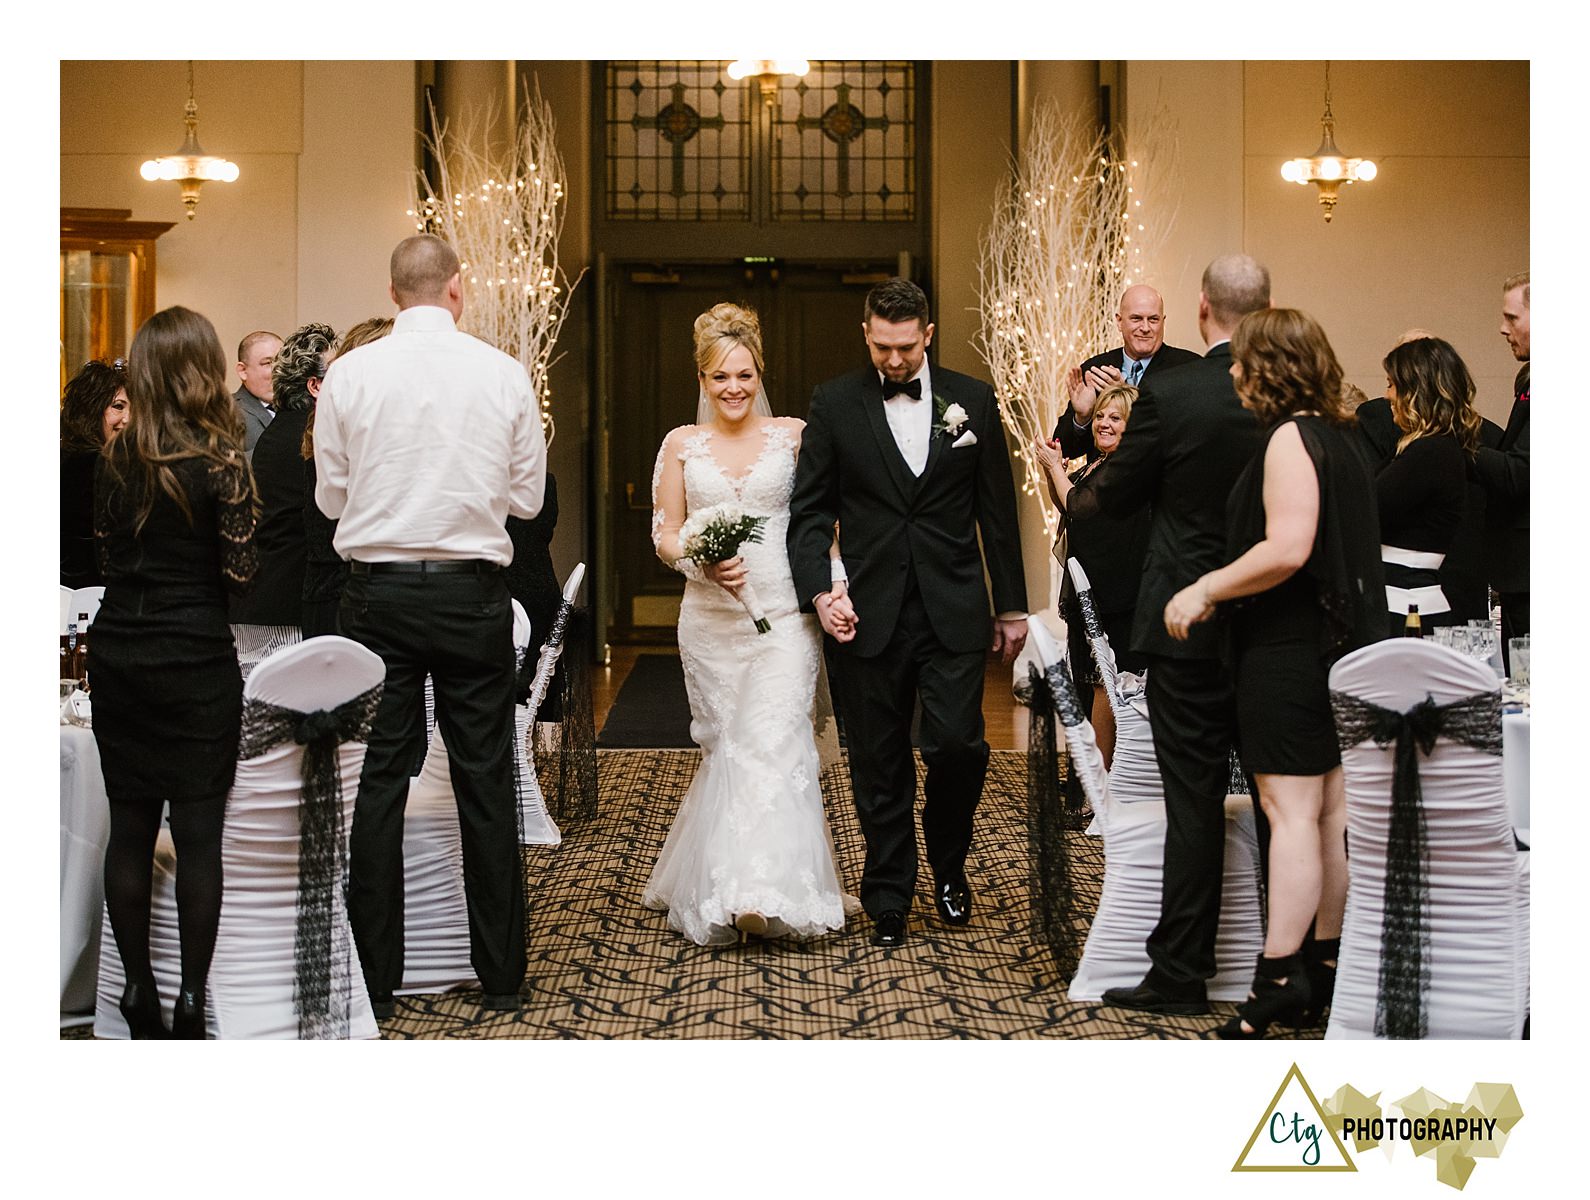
[750,835]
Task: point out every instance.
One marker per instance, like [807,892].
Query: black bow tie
[911,387]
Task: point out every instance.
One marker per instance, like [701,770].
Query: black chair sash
[1476,721]
[320,942]
[1049,819]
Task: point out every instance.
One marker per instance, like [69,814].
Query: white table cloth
[85,832]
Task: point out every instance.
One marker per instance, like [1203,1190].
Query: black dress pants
[1192,712]
[877,697]
[457,628]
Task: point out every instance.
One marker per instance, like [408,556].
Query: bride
[749,851]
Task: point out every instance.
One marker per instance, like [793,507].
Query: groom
[911,462]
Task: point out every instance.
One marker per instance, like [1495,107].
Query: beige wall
[324,152]
[1425,244]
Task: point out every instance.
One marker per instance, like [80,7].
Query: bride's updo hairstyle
[723,327]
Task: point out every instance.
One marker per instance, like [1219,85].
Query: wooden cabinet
[107,282]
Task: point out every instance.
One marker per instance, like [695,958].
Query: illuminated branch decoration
[1075,225]
[502,211]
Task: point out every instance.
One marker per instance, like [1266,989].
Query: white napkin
[77,709]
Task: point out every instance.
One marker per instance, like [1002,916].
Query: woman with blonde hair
[1423,491]
[174,508]
[1303,587]
[749,851]
[1111,550]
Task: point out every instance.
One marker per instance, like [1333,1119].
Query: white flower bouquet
[715,534]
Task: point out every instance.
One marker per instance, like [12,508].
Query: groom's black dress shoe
[1146,997]
[890,929]
[953,899]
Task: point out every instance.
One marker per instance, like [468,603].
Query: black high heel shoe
[1319,964]
[187,1018]
[140,1008]
[1280,989]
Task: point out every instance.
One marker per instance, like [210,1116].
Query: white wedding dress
[750,835]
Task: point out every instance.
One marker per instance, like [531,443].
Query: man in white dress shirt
[425,442]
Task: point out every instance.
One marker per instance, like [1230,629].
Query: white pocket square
[966,439]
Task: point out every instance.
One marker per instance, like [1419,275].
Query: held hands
[1049,456]
[1187,607]
[836,614]
[728,574]
[1009,638]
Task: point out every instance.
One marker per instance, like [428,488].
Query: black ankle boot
[1319,964]
[1280,987]
[140,1007]
[187,1018]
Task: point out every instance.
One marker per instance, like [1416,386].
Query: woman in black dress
[1303,588]
[174,513]
[277,597]
[1423,490]
[325,571]
[1110,549]
[93,410]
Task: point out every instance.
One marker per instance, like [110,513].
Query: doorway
[811,330]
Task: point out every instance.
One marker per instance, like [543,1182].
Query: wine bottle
[1412,626]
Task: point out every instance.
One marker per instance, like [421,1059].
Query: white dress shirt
[911,421]
[425,442]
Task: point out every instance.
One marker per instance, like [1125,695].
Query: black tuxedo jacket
[1502,468]
[892,523]
[1188,440]
[1074,441]
[277,597]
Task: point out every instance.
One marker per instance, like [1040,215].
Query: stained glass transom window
[678,142]
[844,144]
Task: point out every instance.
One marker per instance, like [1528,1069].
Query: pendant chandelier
[190,166]
[1329,168]
[768,72]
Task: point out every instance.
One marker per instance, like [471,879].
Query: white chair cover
[1132,821]
[1477,906]
[435,913]
[251,978]
[537,827]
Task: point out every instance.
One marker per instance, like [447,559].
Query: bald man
[425,442]
[1140,317]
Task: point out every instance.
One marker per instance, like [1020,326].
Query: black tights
[129,881]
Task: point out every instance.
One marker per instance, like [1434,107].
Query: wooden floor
[1005,721]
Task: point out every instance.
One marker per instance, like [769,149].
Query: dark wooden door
[811,331]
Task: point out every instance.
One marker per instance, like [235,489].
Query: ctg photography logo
[1298,1132]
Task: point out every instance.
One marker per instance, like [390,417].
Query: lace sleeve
[237,511]
[668,509]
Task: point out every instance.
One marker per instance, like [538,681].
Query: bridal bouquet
[716,533]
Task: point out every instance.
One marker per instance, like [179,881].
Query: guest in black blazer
[1191,439]
[278,595]
[1111,550]
[911,462]
[1140,317]
[1422,491]
[1502,468]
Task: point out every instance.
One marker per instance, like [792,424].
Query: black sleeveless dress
[1284,641]
[167,691]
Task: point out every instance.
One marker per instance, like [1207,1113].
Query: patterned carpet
[601,966]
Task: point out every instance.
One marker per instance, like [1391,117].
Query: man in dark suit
[1190,440]
[1502,467]
[256,355]
[911,462]
[1142,354]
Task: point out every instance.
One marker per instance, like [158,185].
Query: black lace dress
[1284,640]
[167,691]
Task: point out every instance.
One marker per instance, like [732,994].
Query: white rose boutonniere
[951,419]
